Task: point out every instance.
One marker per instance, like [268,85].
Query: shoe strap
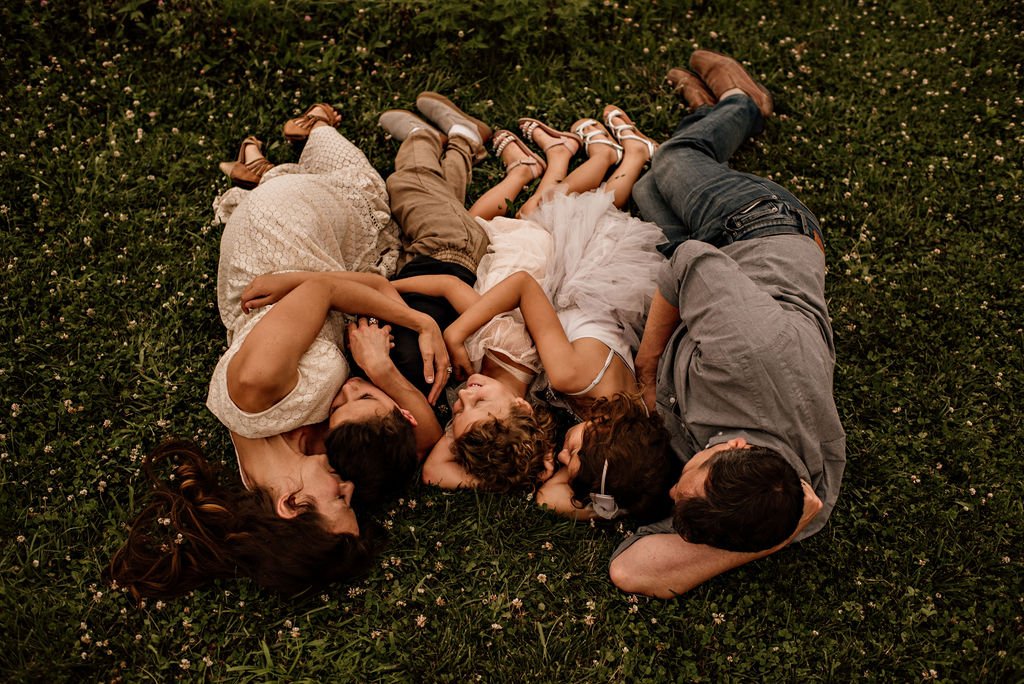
[530,127]
[526,161]
[259,166]
[588,137]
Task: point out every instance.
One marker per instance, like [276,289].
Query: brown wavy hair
[507,454]
[378,455]
[194,529]
[642,467]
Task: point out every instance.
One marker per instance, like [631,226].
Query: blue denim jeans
[692,194]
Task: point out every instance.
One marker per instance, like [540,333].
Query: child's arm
[564,364]
[460,295]
[441,469]
[370,349]
[556,495]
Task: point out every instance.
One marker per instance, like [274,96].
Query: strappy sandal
[297,129]
[627,131]
[247,175]
[589,137]
[569,141]
[503,139]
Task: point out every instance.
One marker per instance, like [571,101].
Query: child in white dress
[584,319]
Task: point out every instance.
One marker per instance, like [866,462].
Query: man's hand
[812,506]
[662,321]
[647,378]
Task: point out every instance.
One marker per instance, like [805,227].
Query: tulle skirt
[604,260]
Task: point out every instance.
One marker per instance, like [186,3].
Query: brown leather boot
[723,73]
[688,85]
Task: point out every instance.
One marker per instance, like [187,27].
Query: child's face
[569,456]
[359,400]
[481,398]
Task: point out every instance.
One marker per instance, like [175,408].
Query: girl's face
[359,400]
[481,398]
[569,456]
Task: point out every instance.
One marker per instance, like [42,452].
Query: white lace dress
[328,212]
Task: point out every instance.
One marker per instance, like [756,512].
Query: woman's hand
[370,346]
[270,288]
[462,366]
[435,358]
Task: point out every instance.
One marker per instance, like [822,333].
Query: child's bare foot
[519,160]
[597,141]
[551,141]
[625,131]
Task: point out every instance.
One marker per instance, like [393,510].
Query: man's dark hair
[752,501]
[377,455]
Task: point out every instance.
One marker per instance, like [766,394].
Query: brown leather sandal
[247,175]
[503,138]
[297,129]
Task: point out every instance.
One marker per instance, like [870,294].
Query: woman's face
[569,456]
[331,495]
[359,400]
[481,398]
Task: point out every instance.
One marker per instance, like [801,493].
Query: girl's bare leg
[636,154]
[495,201]
[586,176]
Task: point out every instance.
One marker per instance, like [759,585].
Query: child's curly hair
[507,454]
[642,467]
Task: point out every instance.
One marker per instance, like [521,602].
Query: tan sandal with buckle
[589,129]
[627,130]
[503,138]
[570,141]
[297,129]
[247,175]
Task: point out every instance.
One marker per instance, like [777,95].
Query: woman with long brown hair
[282,387]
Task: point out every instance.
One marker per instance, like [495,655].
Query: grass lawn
[899,124]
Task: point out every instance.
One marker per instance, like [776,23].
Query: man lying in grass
[737,353]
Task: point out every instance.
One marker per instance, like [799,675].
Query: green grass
[899,124]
